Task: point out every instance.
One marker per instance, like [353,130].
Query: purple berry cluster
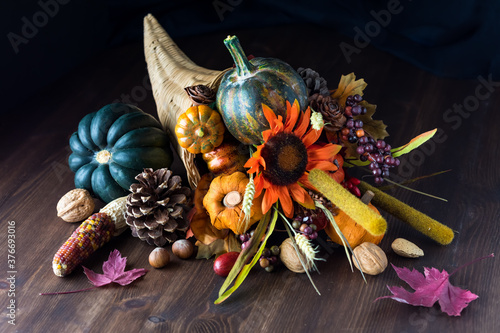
[353,129]
[380,156]
[269,258]
[378,152]
[307,223]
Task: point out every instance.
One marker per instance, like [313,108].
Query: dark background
[43,40]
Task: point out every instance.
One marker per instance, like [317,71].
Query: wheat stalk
[307,250]
[247,203]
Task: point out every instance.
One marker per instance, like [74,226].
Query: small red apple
[224,263]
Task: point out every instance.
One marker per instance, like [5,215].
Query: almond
[407,249]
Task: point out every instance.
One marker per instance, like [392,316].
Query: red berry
[348,111]
[355,181]
[224,263]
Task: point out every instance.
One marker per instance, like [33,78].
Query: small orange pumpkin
[200,224]
[353,232]
[224,203]
[200,129]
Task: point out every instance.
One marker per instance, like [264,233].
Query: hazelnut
[290,259]
[407,249]
[372,258]
[159,257]
[75,206]
[183,248]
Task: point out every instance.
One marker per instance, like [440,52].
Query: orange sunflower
[282,162]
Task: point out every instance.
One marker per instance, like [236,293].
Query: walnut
[75,206]
[372,258]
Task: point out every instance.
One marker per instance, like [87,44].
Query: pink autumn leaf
[430,287]
[114,271]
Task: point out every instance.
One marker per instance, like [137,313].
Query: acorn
[159,257]
[183,248]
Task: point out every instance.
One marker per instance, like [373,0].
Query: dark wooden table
[179,298]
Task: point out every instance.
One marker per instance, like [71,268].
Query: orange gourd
[224,203]
[200,129]
[353,232]
[227,158]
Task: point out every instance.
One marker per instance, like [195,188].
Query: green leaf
[246,252]
[349,163]
[224,293]
[414,143]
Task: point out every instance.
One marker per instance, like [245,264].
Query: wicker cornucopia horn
[170,71]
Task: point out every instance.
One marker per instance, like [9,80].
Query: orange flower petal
[292,114]
[270,197]
[323,165]
[285,200]
[326,152]
[311,137]
[301,196]
[259,184]
[266,134]
[303,123]
[278,125]
[304,180]
[255,161]
[269,114]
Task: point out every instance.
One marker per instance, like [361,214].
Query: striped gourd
[252,83]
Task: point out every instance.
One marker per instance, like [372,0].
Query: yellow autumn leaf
[348,85]
[375,128]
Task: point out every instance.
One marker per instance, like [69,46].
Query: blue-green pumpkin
[250,84]
[112,146]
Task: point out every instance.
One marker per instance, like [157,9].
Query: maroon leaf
[431,287]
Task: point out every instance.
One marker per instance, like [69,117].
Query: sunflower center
[286,159]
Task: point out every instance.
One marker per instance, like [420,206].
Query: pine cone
[157,207]
[330,110]
[315,84]
[200,94]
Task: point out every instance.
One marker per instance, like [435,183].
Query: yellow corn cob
[93,233]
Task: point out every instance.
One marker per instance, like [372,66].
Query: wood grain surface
[179,298]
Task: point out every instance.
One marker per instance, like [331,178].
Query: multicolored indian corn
[93,233]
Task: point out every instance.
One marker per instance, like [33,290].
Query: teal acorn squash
[252,83]
[112,146]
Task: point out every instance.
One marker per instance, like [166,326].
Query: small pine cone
[200,94]
[157,207]
[302,211]
[315,84]
[330,110]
